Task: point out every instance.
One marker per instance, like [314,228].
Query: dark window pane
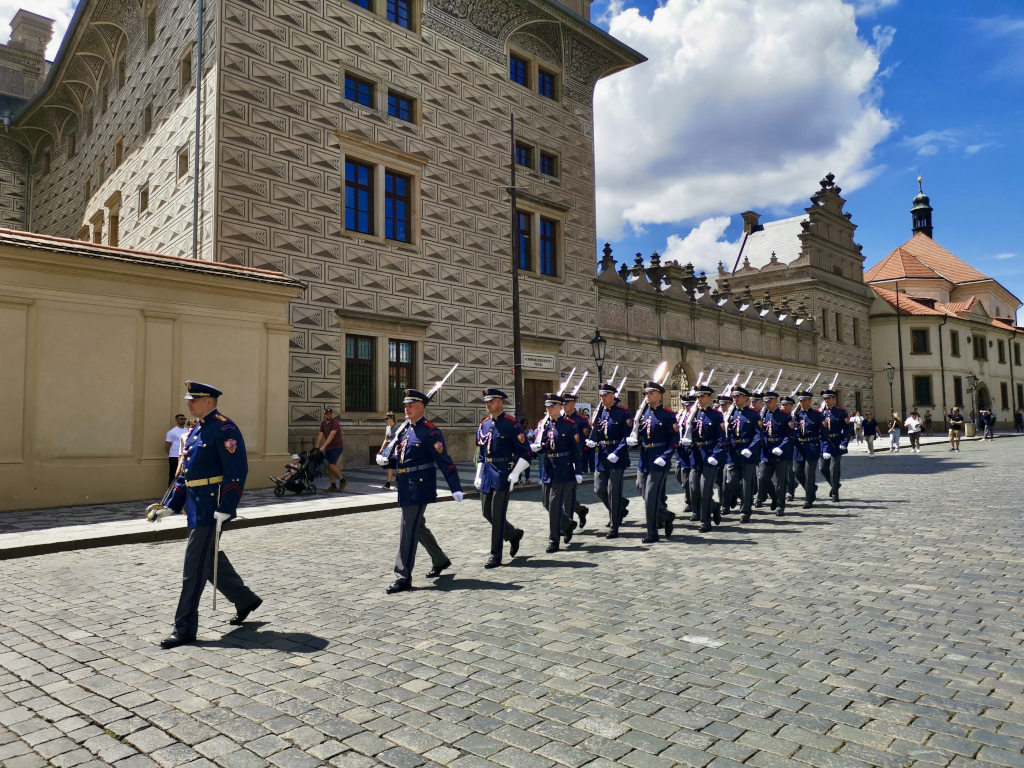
[523,155]
[548,254]
[358,91]
[517,70]
[398,12]
[547,164]
[399,107]
[359,373]
[362,3]
[358,197]
[397,208]
[546,84]
[523,231]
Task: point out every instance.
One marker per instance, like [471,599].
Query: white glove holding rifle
[517,472]
[478,481]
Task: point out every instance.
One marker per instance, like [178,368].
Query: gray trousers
[740,479]
[804,473]
[654,500]
[766,482]
[197,571]
[702,487]
[495,508]
[831,470]
[683,476]
[608,487]
[414,530]
[558,501]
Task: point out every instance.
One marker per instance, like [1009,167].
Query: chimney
[750,220]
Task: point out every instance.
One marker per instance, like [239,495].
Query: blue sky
[746,104]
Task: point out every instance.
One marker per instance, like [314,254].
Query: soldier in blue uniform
[684,453]
[612,424]
[705,438]
[807,426]
[777,454]
[503,456]
[836,431]
[583,428]
[658,437]
[786,404]
[208,489]
[561,468]
[419,452]
[743,451]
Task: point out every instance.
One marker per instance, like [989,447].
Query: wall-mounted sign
[535,362]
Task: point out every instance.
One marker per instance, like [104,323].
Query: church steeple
[921,213]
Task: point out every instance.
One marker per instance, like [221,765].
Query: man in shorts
[956,428]
[331,443]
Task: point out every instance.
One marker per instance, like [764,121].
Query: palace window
[545,83]
[1001,345]
[401,107]
[401,369]
[150,28]
[358,197]
[397,206]
[923,390]
[548,246]
[1016,353]
[954,343]
[183,162]
[539,237]
[523,226]
[398,12]
[362,4]
[144,198]
[1004,394]
[518,70]
[524,155]
[980,347]
[185,75]
[358,90]
[919,342]
[359,373]
[118,151]
[958,391]
[548,164]
[147,119]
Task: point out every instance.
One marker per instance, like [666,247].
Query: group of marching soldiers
[746,449]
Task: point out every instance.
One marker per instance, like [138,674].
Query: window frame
[351,370]
[916,337]
[358,188]
[383,330]
[413,107]
[532,256]
[397,382]
[545,74]
[360,80]
[518,65]
[186,63]
[143,198]
[392,200]
[552,158]
[954,343]
[532,66]
[1001,351]
[980,344]
[182,171]
[920,383]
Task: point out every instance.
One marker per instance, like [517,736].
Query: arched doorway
[678,382]
[984,398]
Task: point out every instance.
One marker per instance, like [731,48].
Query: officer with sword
[208,489]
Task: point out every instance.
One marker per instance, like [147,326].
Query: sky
[747,104]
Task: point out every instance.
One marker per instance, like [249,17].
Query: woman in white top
[913,425]
[858,427]
[895,423]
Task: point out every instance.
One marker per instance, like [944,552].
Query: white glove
[659,462]
[382,460]
[777,451]
[745,453]
[612,458]
[155,511]
[826,456]
[478,481]
[631,441]
[517,471]
[221,517]
[590,443]
[686,441]
[535,447]
[712,461]
[458,495]
[579,479]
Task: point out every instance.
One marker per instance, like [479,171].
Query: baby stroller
[307,468]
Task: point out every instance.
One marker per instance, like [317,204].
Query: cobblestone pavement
[883,631]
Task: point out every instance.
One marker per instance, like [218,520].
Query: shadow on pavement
[449,582]
[525,561]
[251,636]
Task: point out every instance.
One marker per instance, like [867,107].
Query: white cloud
[743,103]
[60,11]
[1004,256]
[931,142]
[703,246]
[871,7]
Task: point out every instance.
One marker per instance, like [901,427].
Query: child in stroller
[301,474]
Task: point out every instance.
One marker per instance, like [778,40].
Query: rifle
[688,434]
[658,373]
[387,450]
[732,405]
[686,416]
[810,386]
[547,418]
[830,386]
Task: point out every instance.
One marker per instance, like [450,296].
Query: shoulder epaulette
[485,418]
[510,418]
[220,417]
[428,425]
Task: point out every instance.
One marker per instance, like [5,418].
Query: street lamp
[890,374]
[598,345]
[972,386]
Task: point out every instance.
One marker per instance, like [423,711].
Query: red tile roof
[898,265]
[960,306]
[907,305]
[922,257]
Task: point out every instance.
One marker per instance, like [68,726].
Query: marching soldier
[786,405]
[561,468]
[706,443]
[684,458]
[658,437]
[418,454]
[836,431]
[612,424]
[209,488]
[807,425]
[501,460]
[724,401]
[777,457]
[583,428]
[742,442]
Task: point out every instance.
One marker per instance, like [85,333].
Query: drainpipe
[942,371]
[199,144]
[899,340]
[1013,390]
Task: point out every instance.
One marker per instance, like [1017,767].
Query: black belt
[654,445]
[417,468]
[809,439]
[507,459]
[559,455]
